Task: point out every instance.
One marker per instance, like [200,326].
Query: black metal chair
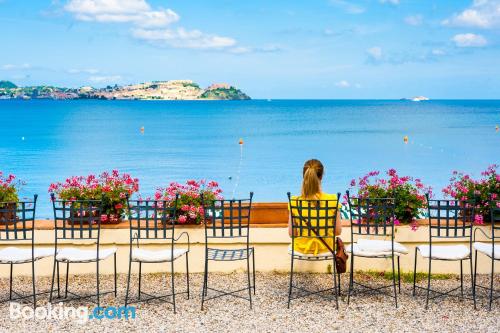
[18,226]
[374,217]
[450,220]
[154,221]
[78,222]
[314,219]
[228,219]
[489,249]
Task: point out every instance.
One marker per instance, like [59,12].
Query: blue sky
[269,49]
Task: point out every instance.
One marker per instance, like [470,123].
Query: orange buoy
[405,139]
[142,129]
[497,128]
[241,141]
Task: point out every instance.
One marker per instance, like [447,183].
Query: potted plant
[112,188]
[189,205]
[408,193]
[463,187]
[9,189]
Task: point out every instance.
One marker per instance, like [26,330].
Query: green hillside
[224,93]
[7,85]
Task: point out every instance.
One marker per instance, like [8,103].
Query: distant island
[156,90]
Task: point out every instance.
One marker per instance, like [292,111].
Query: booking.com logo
[81,314]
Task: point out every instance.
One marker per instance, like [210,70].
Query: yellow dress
[314,245]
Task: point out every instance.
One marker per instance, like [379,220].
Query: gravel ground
[365,313]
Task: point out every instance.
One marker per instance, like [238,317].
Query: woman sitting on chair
[311,190]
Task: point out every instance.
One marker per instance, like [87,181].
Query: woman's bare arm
[338,226]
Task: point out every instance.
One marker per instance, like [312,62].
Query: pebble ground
[366,313]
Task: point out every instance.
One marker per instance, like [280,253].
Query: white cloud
[469,40]
[438,52]
[348,6]
[105,79]
[263,49]
[11,67]
[375,53]
[392,2]
[414,20]
[481,14]
[83,71]
[343,84]
[181,38]
[137,12]
[147,24]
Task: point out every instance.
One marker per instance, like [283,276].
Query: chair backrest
[227,218]
[77,219]
[152,219]
[495,218]
[450,218]
[372,216]
[17,220]
[313,218]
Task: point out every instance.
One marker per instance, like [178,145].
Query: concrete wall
[271,245]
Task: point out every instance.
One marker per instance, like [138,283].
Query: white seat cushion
[445,252]
[323,255]
[378,245]
[487,249]
[360,252]
[18,255]
[143,255]
[376,248]
[73,254]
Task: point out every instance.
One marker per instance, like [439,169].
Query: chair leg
[205,280]
[249,282]
[414,273]
[10,281]
[399,277]
[394,282]
[33,279]
[351,280]
[187,273]
[338,274]
[58,283]
[474,282]
[291,282]
[140,278]
[66,287]
[97,279]
[335,285]
[115,276]
[173,284]
[128,281]
[491,282]
[253,269]
[461,279]
[52,282]
[428,284]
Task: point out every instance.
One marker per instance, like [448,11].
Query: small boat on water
[416,99]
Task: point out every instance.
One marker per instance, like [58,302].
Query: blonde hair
[311,184]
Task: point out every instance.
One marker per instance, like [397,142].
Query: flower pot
[8,214]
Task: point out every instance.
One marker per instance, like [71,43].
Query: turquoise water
[192,140]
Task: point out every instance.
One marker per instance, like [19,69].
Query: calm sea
[45,141]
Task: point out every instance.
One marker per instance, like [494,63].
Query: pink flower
[185,208]
[118,206]
[478,219]
[182,219]
[104,218]
[396,222]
